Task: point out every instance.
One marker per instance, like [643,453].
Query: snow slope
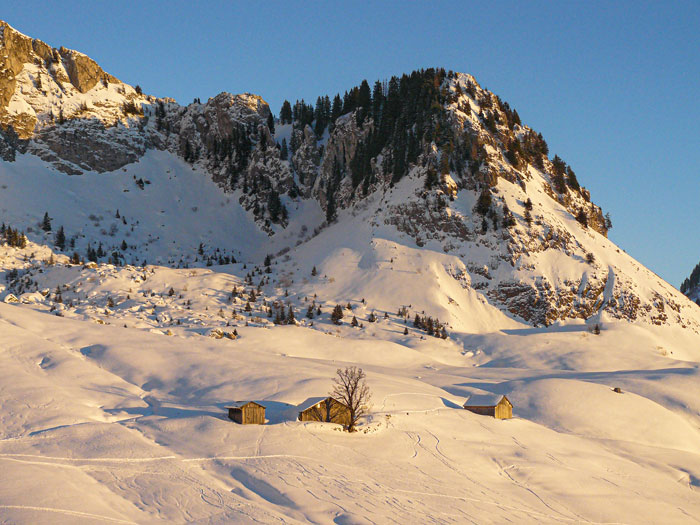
[127,426]
[120,409]
[177,209]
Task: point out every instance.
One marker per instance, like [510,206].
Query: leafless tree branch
[350,388]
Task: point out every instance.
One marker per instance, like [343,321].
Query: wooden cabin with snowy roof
[247,413]
[495,405]
[325,409]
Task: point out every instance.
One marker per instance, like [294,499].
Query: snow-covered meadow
[116,414]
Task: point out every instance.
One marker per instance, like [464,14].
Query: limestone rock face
[202,124]
[21,54]
[60,105]
[15,51]
[76,147]
[306,158]
[83,72]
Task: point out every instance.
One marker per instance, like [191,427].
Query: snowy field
[105,424]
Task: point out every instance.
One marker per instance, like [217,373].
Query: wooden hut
[324,409]
[247,413]
[494,405]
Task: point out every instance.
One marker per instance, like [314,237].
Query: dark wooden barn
[324,409]
[494,405]
[247,413]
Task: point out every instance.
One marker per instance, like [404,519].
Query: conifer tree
[571,179]
[429,326]
[364,102]
[559,167]
[336,108]
[445,162]
[60,239]
[582,218]
[319,117]
[46,223]
[608,222]
[286,113]
[274,205]
[431,178]
[508,219]
[290,316]
[337,314]
[377,100]
[284,153]
[483,203]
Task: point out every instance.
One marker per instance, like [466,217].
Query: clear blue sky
[613,87]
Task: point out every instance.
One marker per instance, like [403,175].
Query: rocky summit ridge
[430,156]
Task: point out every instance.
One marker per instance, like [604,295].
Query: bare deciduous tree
[350,388]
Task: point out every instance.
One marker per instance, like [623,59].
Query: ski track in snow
[74,513]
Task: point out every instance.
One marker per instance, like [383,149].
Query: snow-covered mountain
[430,161]
[160,261]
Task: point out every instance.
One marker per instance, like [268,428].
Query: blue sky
[612,86]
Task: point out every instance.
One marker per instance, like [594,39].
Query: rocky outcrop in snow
[691,286]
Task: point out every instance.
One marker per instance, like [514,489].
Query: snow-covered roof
[483,400]
[241,404]
[312,401]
